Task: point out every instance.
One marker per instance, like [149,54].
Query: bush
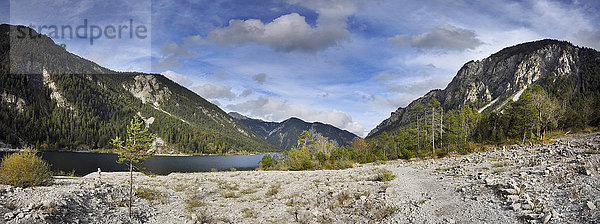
[385,175]
[24,169]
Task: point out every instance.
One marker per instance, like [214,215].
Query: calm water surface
[85,163]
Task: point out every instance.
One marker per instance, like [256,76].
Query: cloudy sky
[348,63]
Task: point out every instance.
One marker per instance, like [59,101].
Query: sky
[348,63]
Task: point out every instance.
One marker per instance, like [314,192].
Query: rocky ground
[549,183]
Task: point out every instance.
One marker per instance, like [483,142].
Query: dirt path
[423,197]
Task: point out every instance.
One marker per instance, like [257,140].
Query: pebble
[590,205]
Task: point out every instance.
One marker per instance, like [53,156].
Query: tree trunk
[130,186]
[418,137]
[432,132]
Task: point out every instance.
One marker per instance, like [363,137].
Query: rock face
[490,83]
[148,90]
[285,134]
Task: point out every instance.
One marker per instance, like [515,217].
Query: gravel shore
[548,183]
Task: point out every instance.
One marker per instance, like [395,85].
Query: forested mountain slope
[285,134]
[56,100]
[560,82]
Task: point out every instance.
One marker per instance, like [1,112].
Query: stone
[509,191]
[590,205]
[450,221]
[515,206]
[9,215]
[547,218]
[528,205]
[512,198]
[554,214]
[21,215]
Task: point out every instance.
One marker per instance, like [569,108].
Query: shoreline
[158,154]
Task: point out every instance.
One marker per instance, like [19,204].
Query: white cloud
[291,32]
[178,78]
[445,37]
[288,32]
[260,78]
[215,91]
[279,109]
[587,38]
[246,92]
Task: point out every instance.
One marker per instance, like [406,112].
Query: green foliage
[98,106]
[268,162]
[385,175]
[24,169]
[136,148]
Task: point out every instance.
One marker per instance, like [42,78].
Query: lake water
[85,163]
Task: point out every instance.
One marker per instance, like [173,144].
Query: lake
[84,163]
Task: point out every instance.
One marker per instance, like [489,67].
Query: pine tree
[135,149]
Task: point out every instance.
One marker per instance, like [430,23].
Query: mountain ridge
[285,134]
[489,84]
[54,99]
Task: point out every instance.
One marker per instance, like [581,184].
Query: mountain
[569,74]
[56,100]
[285,134]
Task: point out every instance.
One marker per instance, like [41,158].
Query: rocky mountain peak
[490,83]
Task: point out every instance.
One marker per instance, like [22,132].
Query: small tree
[135,149]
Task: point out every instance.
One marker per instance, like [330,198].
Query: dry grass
[273,190]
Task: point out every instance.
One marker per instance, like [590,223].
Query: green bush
[385,175]
[24,169]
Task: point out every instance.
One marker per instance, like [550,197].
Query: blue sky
[348,63]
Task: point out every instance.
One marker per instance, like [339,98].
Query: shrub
[24,169]
[385,175]
[407,154]
[150,194]
[273,190]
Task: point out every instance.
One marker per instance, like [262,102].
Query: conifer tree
[135,149]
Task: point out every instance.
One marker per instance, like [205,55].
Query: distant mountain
[56,100]
[569,74]
[285,134]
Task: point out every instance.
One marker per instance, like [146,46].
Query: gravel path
[549,183]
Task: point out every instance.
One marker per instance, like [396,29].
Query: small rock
[591,206]
[9,216]
[512,198]
[547,218]
[21,215]
[516,206]
[510,191]
[555,214]
[450,221]
[528,205]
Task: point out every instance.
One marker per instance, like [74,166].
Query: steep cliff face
[494,81]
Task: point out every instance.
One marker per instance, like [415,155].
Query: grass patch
[249,213]
[248,191]
[149,194]
[229,194]
[194,202]
[273,190]
[385,175]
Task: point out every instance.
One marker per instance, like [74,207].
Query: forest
[432,132]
